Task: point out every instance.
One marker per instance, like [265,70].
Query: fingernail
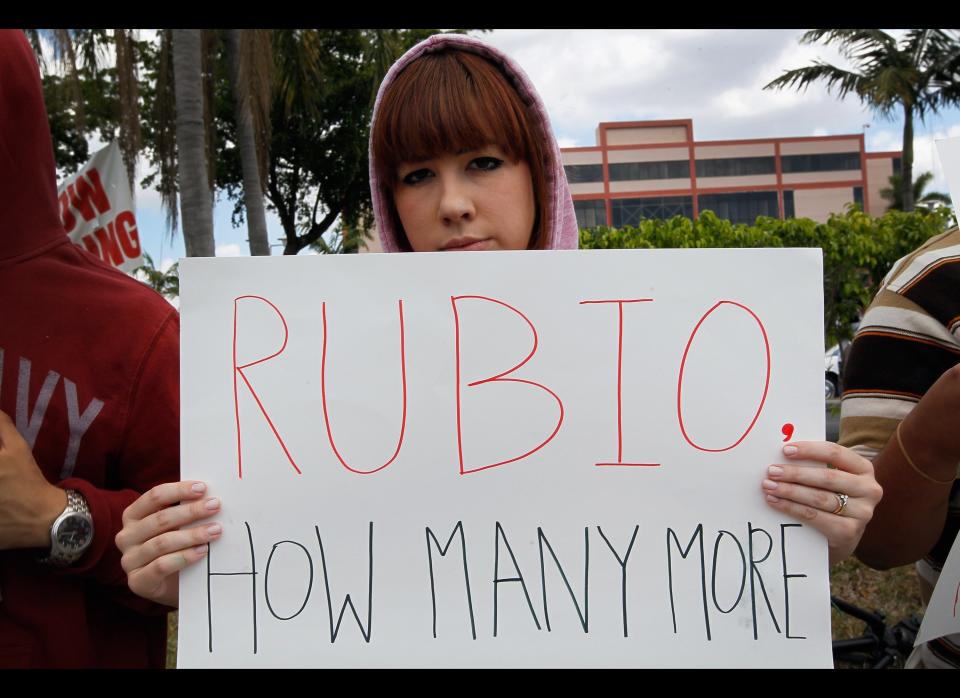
[198,487]
[790,450]
[200,550]
[214,530]
[771,498]
[769,485]
[213,503]
[775,471]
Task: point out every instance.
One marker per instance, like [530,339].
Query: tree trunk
[906,164]
[247,145]
[196,199]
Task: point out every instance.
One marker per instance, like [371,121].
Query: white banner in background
[96,208]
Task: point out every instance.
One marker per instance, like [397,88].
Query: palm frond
[92,47]
[300,77]
[130,137]
[837,79]
[852,43]
[166,137]
[63,51]
[33,36]
[209,41]
[384,49]
[257,71]
[166,283]
[920,182]
[936,197]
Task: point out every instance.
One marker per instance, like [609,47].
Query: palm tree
[251,71]
[196,196]
[81,51]
[130,136]
[166,283]
[926,200]
[915,75]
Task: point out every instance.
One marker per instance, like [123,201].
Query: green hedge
[858,250]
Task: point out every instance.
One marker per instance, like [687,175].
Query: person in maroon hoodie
[89,371]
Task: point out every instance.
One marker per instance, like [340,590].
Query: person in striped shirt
[901,409]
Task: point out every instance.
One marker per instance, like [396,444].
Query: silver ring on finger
[842,500]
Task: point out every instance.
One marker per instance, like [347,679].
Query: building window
[823,162]
[583,173]
[788,209]
[897,164]
[858,196]
[742,207]
[632,211]
[630,171]
[590,213]
[736,167]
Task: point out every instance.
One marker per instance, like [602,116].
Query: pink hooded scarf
[561,232]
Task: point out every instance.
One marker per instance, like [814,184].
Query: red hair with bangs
[450,101]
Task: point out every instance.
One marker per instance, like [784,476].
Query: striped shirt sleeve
[908,337]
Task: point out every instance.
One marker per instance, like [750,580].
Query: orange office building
[655,169]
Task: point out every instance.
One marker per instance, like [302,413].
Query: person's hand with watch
[35,513]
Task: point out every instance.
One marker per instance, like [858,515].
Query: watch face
[74,532]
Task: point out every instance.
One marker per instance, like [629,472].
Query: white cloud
[925,155]
[588,76]
[229,250]
[927,159]
[759,63]
[881,139]
[750,102]
[715,77]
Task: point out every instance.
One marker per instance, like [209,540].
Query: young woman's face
[475,200]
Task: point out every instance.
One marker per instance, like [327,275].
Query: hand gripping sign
[97,210]
[502,459]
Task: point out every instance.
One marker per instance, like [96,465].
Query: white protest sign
[96,209]
[942,616]
[504,459]
[949,151]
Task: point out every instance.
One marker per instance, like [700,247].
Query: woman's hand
[154,551]
[838,501]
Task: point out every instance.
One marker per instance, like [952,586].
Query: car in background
[833,358]
[834,361]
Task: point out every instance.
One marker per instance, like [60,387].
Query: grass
[172,640]
[893,593]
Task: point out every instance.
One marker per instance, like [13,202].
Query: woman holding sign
[462,158]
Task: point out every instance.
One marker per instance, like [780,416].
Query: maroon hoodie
[89,364]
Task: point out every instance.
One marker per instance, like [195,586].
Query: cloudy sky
[714,77]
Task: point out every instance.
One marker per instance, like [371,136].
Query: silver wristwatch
[71,533]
